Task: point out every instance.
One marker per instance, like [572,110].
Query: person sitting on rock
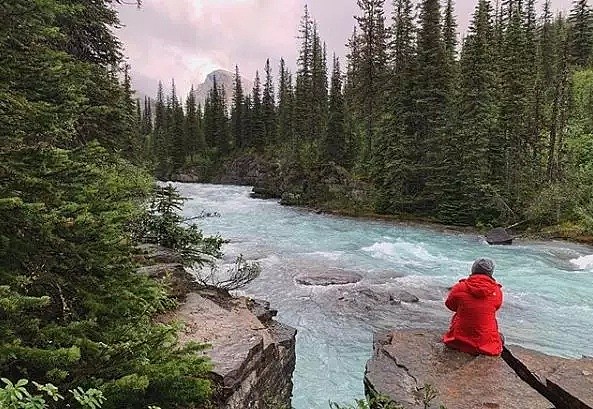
[475,300]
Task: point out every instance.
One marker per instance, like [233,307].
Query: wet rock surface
[334,277]
[404,362]
[499,236]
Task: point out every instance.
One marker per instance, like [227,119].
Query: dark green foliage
[162,224]
[216,123]
[238,112]
[581,33]
[336,145]
[269,108]
[73,310]
[368,72]
[285,106]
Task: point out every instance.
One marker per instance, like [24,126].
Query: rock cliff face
[253,355]
[405,362]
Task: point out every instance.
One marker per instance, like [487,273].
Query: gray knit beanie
[483,266]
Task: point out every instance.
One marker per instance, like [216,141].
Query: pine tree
[216,127]
[335,145]
[69,291]
[431,94]
[396,154]
[319,91]
[508,169]
[176,138]
[147,117]
[371,66]
[194,142]
[581,33]
[304,86]
[469,202]
[269,108]
[257,117]
[237,112]
[160,151]
[285,106]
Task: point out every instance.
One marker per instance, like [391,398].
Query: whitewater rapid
[548,287]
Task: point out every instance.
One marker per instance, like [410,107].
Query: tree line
[489,129]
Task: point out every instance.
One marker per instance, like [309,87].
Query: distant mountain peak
[224,78]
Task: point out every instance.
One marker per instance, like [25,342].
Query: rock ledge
[404,362]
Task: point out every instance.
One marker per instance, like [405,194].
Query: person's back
[475,300]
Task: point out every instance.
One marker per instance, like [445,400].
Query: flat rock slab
[574,376]
[333,277]
[405,361]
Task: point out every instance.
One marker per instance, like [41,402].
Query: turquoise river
[548,286]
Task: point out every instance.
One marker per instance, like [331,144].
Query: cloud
[187,39]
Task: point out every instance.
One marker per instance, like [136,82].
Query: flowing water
[548,287]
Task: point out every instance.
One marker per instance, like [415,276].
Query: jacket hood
[481,285]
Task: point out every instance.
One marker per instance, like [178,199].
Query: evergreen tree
[335,145]
[247,122]
[194,142]
[371,66]
[216,129]
[431,93]
[257,116]
[237,112]
[74,310]
[176,137]
[304,91]
[470,201]
[160,151]
[285,105]
[396,153]
[581,33]
[147,117]
[269,107]
[319,91]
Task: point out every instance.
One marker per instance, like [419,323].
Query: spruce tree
[470,202]
[319,91]
[194,142]
[74,310]
[257,117]
[237,112]
[396,154]
[431,93]
[304,86]
[176,132]
[285,106]
[581,33]
[269,107]
[335,144]
[370,73]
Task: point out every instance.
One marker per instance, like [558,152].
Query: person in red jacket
[475,300]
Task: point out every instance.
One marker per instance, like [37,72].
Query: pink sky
[187,39]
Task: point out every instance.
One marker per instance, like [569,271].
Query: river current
[548,286]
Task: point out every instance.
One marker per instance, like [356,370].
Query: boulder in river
[499,235]
[332,277]
[408,366]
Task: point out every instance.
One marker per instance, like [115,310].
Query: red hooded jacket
[474,329]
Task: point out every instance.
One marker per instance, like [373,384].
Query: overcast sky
[187,39]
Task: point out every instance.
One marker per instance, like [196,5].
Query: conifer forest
[492,128]
[486,129]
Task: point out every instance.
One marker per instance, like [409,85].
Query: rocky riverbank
[252,354]
[414,369]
